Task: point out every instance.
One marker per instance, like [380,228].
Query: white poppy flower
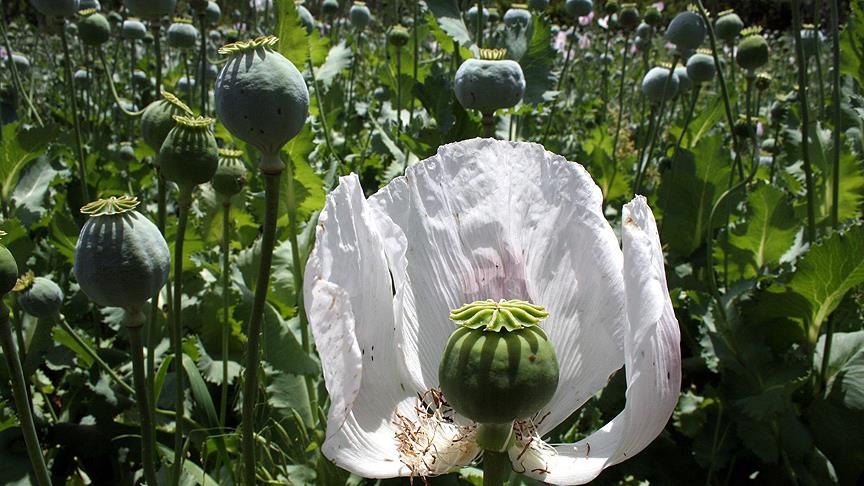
[486,219]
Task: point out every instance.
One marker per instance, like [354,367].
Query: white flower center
[530,452]
[432,443]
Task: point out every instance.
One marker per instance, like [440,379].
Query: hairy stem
[226,322]
[805,120]
[184,202]
[134,323]
[79,145]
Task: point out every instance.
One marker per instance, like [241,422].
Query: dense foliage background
[765,255]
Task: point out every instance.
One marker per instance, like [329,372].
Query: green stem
[67,65]
[605,88]
[155,28]
[805,121]
[134,321]
[268,241]
[22,402]
[202,79]
[322,116]
[835,81]
[110,77]
[620,100]
[226,323]
[184,202]
[16,78]
[554,109]
[349,108]
[730,118]
[496,468]
[399,96]
[688,117]
[480,23]
[95,357]
[416,34]
[489,125]
[643,164]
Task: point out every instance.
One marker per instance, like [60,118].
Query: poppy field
[444,242]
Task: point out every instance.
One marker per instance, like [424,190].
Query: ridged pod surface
[150,9]
[8,271]
[158,119]
[654,84]
[579,8]
[359,15]
[728,26]
[133,29]
[182,34]
[121,258]
[231,174]
[261,97]
[189,155]
[94,29]
[701,68]
[487,85]
[56,8]
[753,52]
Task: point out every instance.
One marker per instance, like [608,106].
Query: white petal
[653,366]
[350,307]
[487,219]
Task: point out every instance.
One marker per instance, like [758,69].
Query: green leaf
[64,338]
[825,273]
[688,192]
[20,145]
[449,18]
[851,183]
[293,42]
[338,59]
[537,64]
[766,233]
[845,373]
[30,196]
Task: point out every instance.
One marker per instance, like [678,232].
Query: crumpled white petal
[487,219]
[653,367]
[349,303]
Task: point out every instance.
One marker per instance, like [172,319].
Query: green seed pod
[189,155]
[150,9]
[158,119]
[8,270]
[494,16]
[261,98]
[684,82]
[330,7]
[231,175]
[579,8]
[126,153]
[198,5]
[88,4]
[82,78]
[753,52]
[728,26]
[653,16]
[498,366]
[471,16]
[359,15]
[213,13]
[763,81]
[644,31]
[184,84]
[654,84]
[489,83]
[39,296]
[93,29]
[121,258]
[519,21]
[133,29]
[306,18]
[398,36]
[115,18]
[701,68]
[686,31]
[611,7]
[743,129]
[538,4]
[56,8]
[811,40]
[182,34]
[628,17]
[22,64]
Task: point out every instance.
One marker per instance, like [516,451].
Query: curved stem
[202,78]
[250,387]
[620,100]
[67,65]
[643,164]
[688,117]
[95,356]
[110,77]
[22,402]
[226,322]
[805,120]
[496,468]
[134,323]
[16,78]
[322,115]
[835,81]
[184,202]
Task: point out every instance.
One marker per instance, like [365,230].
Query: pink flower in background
[584,42]
[659,6]
[561,40]
[586,20]
[760,129]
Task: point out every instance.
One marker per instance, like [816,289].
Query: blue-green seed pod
[8,271]
[40,297]
[811,40]
[398,36]
[330,7]
[93,29]
[231,174]
[628,17]
[579,8]
[158,119]
[644,31]
[728,26]
[489,83]
[654,83]
[213,13]
[184,84]
[653,16]
[182,34]
[306,18]
[22,64]
[189,156]
[686,31]
[133,29]
[82,78]
[121,258]
[151,9]
[359,15]
[701,68]
[90,4]
[261,97]
[684,82]
[471,16]
[753,52]
[56,8]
